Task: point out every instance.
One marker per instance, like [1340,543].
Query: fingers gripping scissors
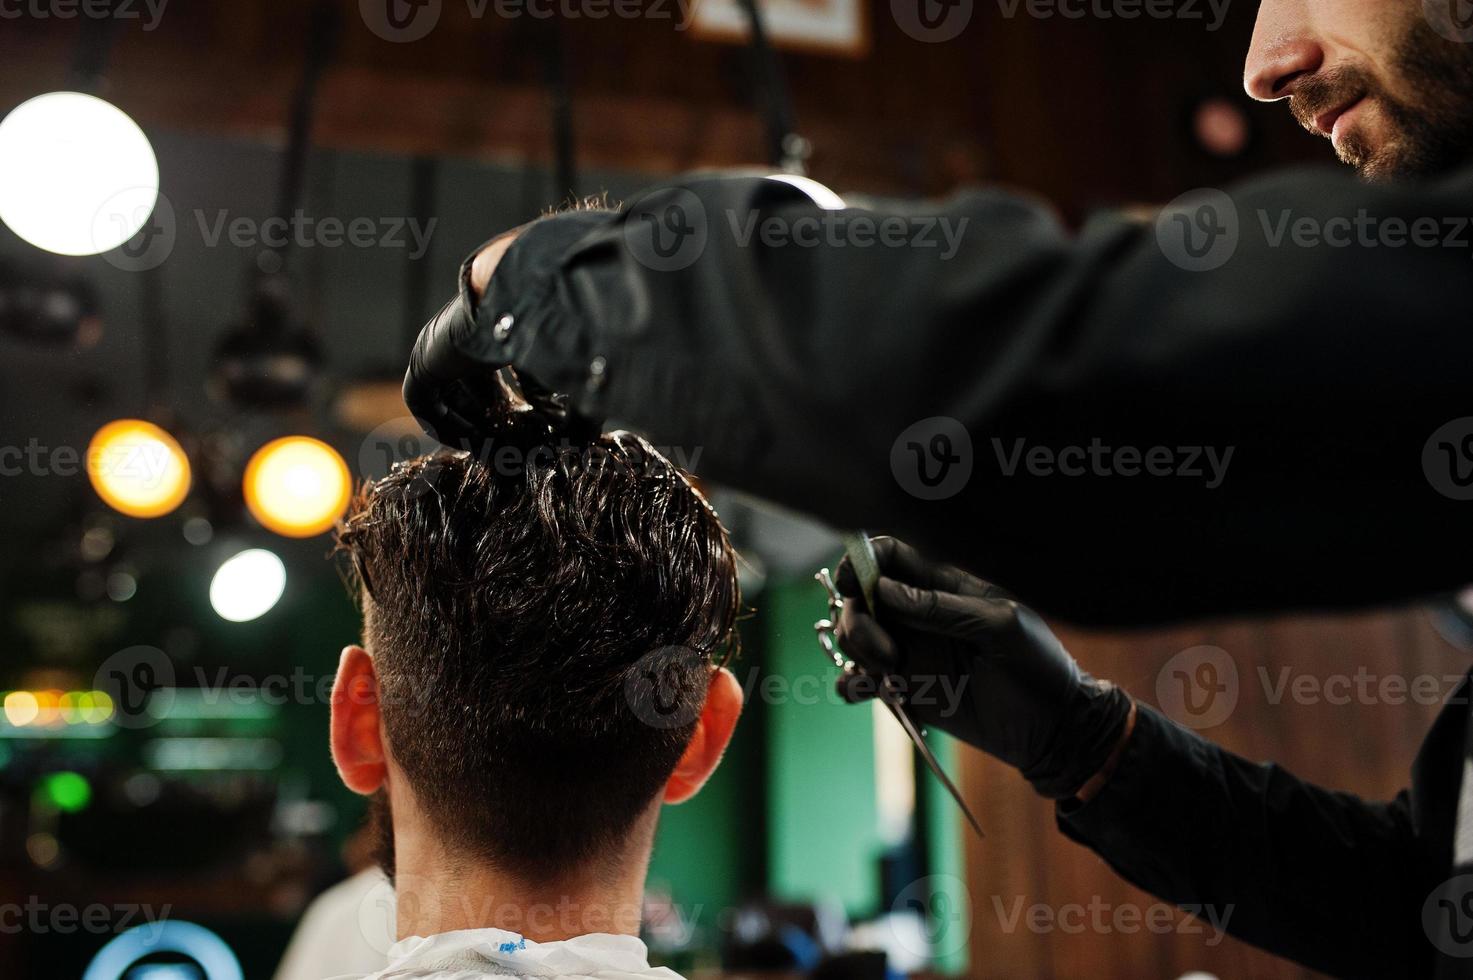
[866,568]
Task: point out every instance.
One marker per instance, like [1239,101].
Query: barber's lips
[1336,122]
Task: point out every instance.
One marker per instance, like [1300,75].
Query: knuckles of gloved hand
[483,266]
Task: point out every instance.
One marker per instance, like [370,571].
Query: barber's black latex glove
[459,385]
[1022,697]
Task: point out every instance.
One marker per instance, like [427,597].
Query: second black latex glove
[975,663]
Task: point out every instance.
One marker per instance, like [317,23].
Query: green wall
[821,786]
[792,811]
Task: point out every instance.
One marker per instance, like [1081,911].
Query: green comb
[866,565]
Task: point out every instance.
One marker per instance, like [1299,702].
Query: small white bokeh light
[77,176]
[248,585]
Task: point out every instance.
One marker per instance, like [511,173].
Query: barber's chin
[1364,142]
[1383,168]
[1390,161]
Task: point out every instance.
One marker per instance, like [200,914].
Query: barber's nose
[1280,55]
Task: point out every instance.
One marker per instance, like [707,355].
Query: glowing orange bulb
[137,468]
[297,486]
[48,705]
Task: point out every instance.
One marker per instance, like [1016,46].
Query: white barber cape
[469,954]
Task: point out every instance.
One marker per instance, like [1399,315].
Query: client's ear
[713,732]
[357,743]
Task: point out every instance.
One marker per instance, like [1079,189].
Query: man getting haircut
[541,669]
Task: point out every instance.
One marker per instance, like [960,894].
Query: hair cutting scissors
[867,569]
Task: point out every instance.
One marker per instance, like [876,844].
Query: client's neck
[442,891]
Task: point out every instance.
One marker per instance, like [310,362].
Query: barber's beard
[381,826]
[1429,137]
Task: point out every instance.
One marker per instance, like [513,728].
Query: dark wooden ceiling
[1085,111]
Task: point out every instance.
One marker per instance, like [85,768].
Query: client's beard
[1430,137]
[381,826]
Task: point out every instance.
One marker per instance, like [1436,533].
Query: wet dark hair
[543,635]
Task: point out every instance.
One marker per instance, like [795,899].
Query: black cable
[322,39]
[155,336]
[249,359]
[786,150]
[555,74]
[94,47]
[424,185]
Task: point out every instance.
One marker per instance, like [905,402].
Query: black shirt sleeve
[1320,877]
[1147,440]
